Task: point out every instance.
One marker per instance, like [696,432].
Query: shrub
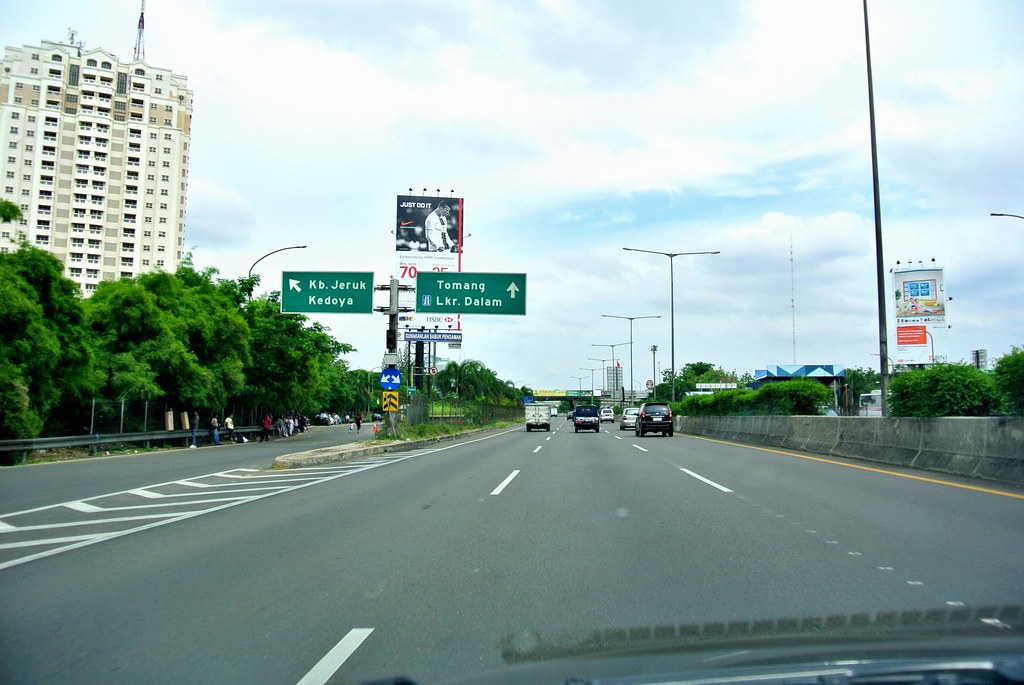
[1009,380]
[943,390]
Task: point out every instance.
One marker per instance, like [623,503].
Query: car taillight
[670,413]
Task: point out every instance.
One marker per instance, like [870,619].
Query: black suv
[654,416]
[586,417]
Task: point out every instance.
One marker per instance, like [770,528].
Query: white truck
[538,416]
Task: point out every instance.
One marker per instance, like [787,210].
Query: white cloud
[576,128]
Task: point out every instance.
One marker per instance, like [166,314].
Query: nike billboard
[428,237]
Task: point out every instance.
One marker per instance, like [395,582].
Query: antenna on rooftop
[140,42]
[73,40]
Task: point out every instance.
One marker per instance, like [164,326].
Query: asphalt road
[421,564]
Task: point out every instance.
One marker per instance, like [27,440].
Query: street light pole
[580,379]
[591,379]
[631,320]
[613,358]
[1016,216]
[654,371]
[672,294]
[603,361]
[293,247]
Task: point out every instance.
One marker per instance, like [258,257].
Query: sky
[575,128]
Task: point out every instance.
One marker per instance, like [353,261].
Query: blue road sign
[390,379]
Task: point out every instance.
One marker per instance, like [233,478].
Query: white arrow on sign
[512,290]
[293,284]
[391,378]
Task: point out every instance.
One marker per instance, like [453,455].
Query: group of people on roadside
[284,426]
[214,429]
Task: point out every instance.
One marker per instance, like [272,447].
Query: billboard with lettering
[428,237]
[920,316]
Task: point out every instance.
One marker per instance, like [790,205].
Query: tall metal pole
[654,371]
[631,320]
[883,341]
[672,296]
[613,359]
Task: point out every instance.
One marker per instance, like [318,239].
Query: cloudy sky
[575,128]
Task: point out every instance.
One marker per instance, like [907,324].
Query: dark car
[654,416]
[587,417]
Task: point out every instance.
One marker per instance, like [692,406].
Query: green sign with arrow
[449,292]
[326,292]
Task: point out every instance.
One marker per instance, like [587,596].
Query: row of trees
[934,391]
[186,339]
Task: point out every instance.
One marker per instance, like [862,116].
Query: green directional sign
[449,292]
[326,292]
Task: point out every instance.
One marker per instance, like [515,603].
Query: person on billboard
[437,229]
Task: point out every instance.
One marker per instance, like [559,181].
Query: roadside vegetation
[182,342]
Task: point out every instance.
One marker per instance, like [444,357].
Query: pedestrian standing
[229,427]
[359,420]
[265,433]
[195,428]
[215,430]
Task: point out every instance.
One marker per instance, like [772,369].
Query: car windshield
[325,328]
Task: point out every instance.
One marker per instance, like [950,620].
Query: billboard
[428,237]
[920,316]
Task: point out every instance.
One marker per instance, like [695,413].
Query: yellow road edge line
[935,481]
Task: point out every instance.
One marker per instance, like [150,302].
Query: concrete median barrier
[990,448]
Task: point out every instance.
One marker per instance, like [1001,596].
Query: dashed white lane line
[538,449]
[641,448]
[497,490]
[333,660]
[706,480]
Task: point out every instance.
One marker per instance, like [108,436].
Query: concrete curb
[354,450]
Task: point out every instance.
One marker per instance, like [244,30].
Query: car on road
[586,417]
[654,417]
[608,414]
[628,418]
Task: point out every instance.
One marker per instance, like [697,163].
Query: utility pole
[391,357]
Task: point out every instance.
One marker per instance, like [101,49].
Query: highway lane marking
[642,449]
[333,660]
[199,499]
[934,481]
[497,490]
[706,480]
[538,449]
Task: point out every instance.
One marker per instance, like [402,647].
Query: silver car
[628,418]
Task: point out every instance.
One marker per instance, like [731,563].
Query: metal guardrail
[94,441]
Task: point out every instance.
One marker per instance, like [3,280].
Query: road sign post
[323,292]
[449,292]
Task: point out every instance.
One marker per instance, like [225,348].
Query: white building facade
[95,152]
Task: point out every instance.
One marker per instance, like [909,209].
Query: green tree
[1009,380]
[45,360]
[294,366]
[9,212]
[180,337]
[942,390]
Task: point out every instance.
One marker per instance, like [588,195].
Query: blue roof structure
[805,371]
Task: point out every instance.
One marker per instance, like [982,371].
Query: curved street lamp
[672,293]
[1016,216]
[631,319]
[282,249]
[612,359]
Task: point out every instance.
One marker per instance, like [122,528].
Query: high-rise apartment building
[95,151]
